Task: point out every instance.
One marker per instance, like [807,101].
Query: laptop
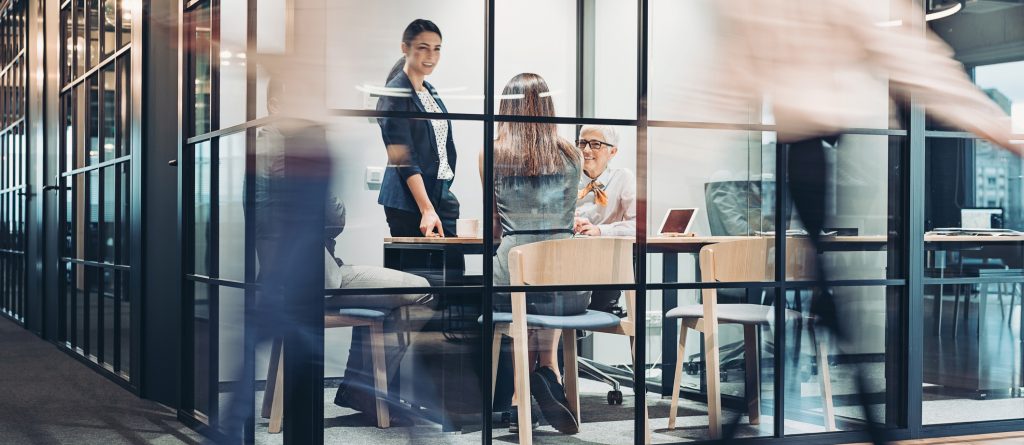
[678,222]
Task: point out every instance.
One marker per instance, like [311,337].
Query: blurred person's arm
[920,65]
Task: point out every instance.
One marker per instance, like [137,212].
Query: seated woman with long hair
[535,177]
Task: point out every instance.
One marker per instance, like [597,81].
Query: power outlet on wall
[654,319]
[374,177]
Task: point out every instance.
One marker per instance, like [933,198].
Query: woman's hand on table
[583,226]
[430,221]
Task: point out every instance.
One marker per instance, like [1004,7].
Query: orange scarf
[600,196]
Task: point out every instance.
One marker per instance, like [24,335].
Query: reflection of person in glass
[535,178]
[416,191]
[356,391]
[606,203]
[291,190]
[808,62]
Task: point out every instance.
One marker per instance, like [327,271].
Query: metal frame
[15,144]
[906,287]
[72,99]
[188,410]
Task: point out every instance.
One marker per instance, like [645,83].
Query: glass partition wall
[98,309]
[445,354]
[217,85]
[14,151]
[972,296]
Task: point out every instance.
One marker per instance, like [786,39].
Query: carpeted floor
[47,397]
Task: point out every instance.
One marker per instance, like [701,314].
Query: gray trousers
[356,390]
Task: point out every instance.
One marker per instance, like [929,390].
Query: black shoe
[550,397]
[366,404]
[513,420]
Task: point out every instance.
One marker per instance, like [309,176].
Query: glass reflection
[201,65]
[829,377]
[972,329]
[202,212]
[727,176]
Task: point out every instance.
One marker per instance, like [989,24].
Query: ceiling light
[942,13]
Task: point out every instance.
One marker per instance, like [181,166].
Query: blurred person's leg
[356,390]
[545,343]
[293,287]
[607,301]
[808,182]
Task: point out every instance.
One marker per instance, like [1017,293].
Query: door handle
[50,188]
[172,163]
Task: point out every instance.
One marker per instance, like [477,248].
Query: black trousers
[406,223]
[808,182]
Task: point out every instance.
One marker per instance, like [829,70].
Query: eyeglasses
[594,144]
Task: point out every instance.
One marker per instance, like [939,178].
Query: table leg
[444,265]
[392,258]
[669,331]
[939,261]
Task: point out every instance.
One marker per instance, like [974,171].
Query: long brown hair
[530,149]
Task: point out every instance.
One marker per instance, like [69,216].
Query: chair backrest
[754,260]
[731,261]
[800,259]
[598,260]
[751,260]
[743,260]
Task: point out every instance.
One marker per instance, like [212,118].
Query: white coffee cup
[468,228]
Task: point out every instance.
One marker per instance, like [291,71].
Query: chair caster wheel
[615,397]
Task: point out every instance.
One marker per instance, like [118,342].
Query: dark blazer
[421,155]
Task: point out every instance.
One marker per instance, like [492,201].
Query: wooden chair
[558,262]
[273,398]
[744,260]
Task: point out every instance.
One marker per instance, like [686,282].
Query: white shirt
[444,171]
[618,218]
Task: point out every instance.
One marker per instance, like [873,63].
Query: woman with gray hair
[606,202]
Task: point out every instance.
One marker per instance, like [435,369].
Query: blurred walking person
[809,64]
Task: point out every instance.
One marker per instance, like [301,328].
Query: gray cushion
[732,313]
[369,314]
[585,321]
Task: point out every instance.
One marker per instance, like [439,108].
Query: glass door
[97,307]
[14,155]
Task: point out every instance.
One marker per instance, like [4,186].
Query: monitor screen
[980,218]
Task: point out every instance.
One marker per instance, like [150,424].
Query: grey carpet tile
[47,398]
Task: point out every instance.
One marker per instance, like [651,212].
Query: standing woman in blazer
[416,189]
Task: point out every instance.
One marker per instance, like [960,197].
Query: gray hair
[610,134]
